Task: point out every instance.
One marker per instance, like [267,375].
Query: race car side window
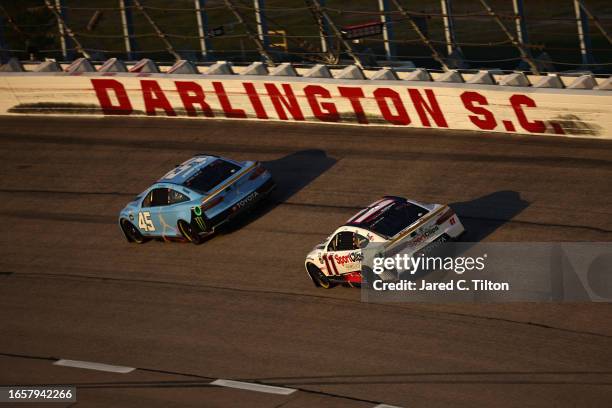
[361,241]
[342,241]
[156,197]
[147,200]
[174,197]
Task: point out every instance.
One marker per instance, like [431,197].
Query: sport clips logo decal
[349,258]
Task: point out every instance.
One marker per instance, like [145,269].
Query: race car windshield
[395,219]
[211,176]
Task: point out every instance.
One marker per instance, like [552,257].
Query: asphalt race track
[240,306]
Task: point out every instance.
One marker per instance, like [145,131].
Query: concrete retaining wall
[421,104]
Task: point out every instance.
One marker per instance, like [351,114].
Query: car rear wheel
[318,277]
[368,277]
[132,233]
[189,232]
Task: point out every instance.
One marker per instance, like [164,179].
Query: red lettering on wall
[433,108]
[381,95]
[324,111]
[485,119]
[518,101]
[154,98]
[354,95]
[288,101]
[557,128]
[102,88]
[255,100]
[226,105]
[192,94]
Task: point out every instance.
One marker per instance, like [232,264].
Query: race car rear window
[396,218]
[211,176]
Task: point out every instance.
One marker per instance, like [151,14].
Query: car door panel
[342,255]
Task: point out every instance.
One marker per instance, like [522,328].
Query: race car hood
[320,245]
[314,253]
[130,207]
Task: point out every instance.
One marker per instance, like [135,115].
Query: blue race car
[191,201]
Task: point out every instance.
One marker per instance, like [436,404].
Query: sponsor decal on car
[197,217]
[423,233]
[349,258]
[200,223]
[247,200]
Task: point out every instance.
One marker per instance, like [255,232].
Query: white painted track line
[254,387]
[94,366]
[386,406]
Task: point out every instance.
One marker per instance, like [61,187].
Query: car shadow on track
[482,216]
[291,173]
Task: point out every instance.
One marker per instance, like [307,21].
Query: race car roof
[183,171]
[373,210]
[388,215]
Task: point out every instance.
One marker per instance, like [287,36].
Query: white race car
[389,223]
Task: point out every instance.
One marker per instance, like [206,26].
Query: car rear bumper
[456,229]
[245,204]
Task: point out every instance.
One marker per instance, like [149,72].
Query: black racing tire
[132,234]
[187,230]
[318,277]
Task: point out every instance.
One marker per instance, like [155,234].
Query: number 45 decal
[144,221]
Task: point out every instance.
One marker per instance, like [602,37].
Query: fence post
[521,27]
[262,26]
[127,28]
[525,54]
[323,30]
[595,20]
[52,7]
[160,34]
[422,35]
[250,33]
[316,6]
[64,41]
[387,26]
[449,31]
[202,26]
[584,36]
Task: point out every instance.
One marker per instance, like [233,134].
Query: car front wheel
[132,233]
[318,277]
